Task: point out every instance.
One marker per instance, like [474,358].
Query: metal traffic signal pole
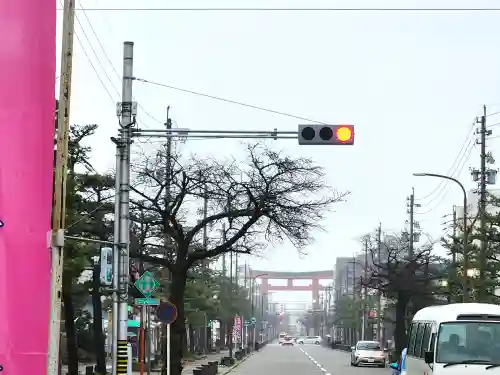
[121,235]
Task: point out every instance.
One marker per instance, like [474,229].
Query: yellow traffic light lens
[344,134]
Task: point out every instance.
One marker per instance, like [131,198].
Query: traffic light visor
[344,133]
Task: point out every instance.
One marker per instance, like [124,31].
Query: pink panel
[27,79]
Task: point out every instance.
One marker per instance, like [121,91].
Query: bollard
[215,365]
[208,369]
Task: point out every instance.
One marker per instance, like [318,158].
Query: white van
[455,339]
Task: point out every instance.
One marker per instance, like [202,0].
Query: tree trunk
[400,329]
[177,328]
[191,339]
[100,352]
[222,334]
[69,324]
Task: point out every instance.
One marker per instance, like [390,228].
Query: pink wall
[27,79]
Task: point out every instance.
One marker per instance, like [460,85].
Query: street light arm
[442,176]
[465,231]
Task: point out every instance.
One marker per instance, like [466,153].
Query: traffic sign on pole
[246,323]
[147,284]
[254,320]
[166,312]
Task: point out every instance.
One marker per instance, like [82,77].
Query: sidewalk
[190,365]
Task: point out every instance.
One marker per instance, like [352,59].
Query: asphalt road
[302,359]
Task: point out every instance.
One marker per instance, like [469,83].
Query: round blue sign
[166,312]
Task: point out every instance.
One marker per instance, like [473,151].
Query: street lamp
[465,232]
[252,290]
[252,287]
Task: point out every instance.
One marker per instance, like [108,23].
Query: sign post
[246,323]
[146,284]
[167,313]
[254,321]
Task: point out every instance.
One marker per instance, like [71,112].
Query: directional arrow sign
[147,284]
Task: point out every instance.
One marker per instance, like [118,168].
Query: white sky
[411,83]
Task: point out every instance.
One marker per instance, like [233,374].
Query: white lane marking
[314,361]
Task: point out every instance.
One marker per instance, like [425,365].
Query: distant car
[282,337]
[368,353]
[309,340]
[287,341]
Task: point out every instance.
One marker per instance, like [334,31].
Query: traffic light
[326,134]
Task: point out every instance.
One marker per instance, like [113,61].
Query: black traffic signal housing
[326,134]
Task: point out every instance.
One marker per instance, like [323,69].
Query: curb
[238,364]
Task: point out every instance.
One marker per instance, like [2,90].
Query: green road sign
[147,301]
[147,284]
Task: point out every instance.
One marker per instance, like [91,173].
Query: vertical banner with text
[237,329]
[27,104]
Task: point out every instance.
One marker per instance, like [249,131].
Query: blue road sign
[166,312]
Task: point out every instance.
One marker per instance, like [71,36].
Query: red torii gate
[314,276]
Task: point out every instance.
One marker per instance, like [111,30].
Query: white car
[368,353]
[287,341]
[309,340]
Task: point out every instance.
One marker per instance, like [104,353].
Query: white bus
[462,338]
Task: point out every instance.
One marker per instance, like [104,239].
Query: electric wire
[90,62]
[263,9]
[465,159]
[111,63]
[454,166]
[94,68]
[258,108]
[97,56]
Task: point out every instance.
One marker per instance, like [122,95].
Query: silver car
[309,340]
[368,353]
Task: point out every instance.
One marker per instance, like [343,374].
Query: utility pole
[59,200]
[453,255]
[231,287]
[168,186]
[353,331]
[485,177]
[413,237]
[128,109]
[379,294]
[204,265]
[365,291]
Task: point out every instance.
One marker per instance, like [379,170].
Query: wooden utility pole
[60,175]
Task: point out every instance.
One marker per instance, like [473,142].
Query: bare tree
[267,198]
[404,278]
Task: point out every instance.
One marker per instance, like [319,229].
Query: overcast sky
[411,82]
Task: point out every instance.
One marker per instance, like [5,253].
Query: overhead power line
[109,61]
[453,168]
[160,9]
[258,108]
[465,158]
